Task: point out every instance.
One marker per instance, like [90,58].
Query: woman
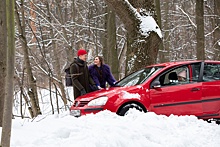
[101,73]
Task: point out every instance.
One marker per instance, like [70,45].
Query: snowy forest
[46,35]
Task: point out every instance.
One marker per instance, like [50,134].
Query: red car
[179,88]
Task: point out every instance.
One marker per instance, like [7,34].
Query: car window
[211,72]
[180,75]
[138,77]
[176,76]
[195,71]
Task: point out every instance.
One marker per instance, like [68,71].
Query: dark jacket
[80,77]
[101,75]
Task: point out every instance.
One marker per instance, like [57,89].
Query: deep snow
[106,129]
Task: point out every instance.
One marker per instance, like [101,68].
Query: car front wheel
[124,110]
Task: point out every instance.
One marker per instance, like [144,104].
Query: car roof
[175,63]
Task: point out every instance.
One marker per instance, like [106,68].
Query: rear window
[211,72]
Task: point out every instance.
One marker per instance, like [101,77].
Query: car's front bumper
[79,111]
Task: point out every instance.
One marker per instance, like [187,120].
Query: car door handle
[195,89]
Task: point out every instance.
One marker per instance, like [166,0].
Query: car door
[182,98]
[211,89]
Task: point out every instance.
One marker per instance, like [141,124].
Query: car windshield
[139,76]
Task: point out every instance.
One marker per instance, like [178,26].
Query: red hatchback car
[179,88]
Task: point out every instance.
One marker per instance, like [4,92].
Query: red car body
[152,89]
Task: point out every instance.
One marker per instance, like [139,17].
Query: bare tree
[111,49]
[142,49]
[180,29]
[161,54]
[7,111]
[32,90]
[57,63]
[164,52]
[200,38]
[3,46]
[216,29]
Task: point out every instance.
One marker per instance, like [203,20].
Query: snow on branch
[147,22]
[210,33]
[190,20]
[59,32]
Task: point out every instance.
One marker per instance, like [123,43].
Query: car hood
[108,92]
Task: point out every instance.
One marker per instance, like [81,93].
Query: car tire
[123,111]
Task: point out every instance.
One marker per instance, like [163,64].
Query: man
[80,75]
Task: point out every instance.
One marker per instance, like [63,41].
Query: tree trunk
[105,50]
[111,43]
[69,51]
[57,62]
[164,52]
[3,52]
[200,38]
[161,53]
[8,103]
[217,30]
[32,91]
[142,50]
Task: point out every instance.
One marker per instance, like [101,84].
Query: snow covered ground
[107,129]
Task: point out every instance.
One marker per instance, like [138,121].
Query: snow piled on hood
[127,95]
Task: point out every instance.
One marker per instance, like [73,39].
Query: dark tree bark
[164,52]
[217,30]
[111,43]
[62,19]
[105,51]
[158,11]
[200,38]
[141,50]
[3,50]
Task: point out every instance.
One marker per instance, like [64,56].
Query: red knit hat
[81,52]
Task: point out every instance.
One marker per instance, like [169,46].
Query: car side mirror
[156,84]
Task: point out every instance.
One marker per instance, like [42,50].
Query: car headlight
[99,101]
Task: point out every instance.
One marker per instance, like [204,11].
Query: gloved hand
[83,91]
[99,87]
